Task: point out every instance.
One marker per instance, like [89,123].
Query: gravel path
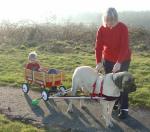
[16,105]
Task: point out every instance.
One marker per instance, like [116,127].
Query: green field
[12,74]
[65,48]
[9,126]
[12,69]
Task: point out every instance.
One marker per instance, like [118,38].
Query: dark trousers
[108,66]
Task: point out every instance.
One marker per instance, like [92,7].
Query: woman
[112,51]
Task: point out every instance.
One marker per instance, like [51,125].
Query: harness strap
[101,89]
[93,94]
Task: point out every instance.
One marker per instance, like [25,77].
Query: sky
[41,10]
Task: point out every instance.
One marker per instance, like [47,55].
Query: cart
[49,83]
[51,86]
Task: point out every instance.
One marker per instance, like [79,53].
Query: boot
[123,114]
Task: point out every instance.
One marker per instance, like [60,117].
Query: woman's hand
[116,67]
[99,66]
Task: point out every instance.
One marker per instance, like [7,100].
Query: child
[33,64]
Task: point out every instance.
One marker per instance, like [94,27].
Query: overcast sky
[40,10]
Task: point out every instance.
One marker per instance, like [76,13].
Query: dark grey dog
[124,81]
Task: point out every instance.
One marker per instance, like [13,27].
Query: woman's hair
[112,13]
[32,55]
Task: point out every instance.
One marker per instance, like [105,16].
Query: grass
[7,125]
[12,63]
[65,48]
[12,69]
[140,67]
[15,126]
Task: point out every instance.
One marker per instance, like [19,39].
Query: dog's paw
[83,107]
[70,110]
[111,125]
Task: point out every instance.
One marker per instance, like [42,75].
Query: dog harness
[100,94]
[93,94]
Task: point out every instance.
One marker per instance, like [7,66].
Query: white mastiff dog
[84,77]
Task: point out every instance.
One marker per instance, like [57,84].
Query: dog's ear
[124,81]
[128,83]
[117,78]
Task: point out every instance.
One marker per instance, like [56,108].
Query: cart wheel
[45,95]
[25,87]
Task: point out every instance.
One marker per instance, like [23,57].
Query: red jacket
[33,66]
[112,44]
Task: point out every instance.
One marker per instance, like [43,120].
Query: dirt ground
[17,106]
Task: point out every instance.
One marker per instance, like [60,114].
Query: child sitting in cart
[34,65]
